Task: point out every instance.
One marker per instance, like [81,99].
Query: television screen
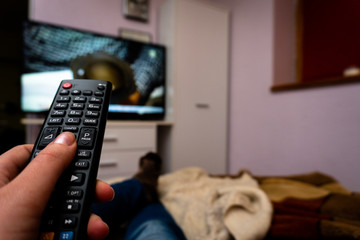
[53,53]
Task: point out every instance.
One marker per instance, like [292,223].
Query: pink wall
[102,16]
[290,132]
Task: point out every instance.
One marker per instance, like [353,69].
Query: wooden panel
[330,37]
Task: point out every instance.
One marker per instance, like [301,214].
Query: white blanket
[216,208]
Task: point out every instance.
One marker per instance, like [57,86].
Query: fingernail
[65,138]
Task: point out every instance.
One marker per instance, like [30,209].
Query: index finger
[13,161]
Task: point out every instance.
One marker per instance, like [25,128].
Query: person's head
[151,158]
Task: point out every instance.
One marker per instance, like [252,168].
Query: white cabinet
[123,145]
[196,35]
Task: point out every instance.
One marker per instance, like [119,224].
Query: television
[52,53]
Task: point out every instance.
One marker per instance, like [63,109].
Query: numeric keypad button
[63,99]
[95,100]
[79,99]
[75,113]
[60,106]
[58,113]
[72,121]
[92,114]
[77,106]
[96,107]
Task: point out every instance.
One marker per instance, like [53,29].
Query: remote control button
[101,87]
[69,222]
[49,134]
[68,235]
[75,113]
[47,236]
[76,92]
[72,121]
[95,100]
[80,99]
[70,129]
[49,221]
[77,106]
[92,114]
[90,121]
[86,138]
[84,154]
[87,92]
[63,99]
[82,165]
[74,193]
[67,85]
[64,92]
[60,106]
[58,113]
[71,207]
[36,153]
[55,121]
[94,107]
[99,94]
[77,179]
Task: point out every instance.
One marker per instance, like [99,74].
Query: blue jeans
[143,220]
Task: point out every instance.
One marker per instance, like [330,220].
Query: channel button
[86,138]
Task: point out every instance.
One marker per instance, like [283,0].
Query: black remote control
[80,106]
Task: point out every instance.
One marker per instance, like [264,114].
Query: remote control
[80,106]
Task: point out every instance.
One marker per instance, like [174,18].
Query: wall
[284,133]
[102,16]
[290,132]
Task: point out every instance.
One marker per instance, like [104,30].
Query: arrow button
[48,135]
[77,179]
[51,136]
[69,222]
[74,178]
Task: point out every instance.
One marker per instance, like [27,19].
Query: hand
[24,193]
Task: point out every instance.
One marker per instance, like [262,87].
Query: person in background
[136,212]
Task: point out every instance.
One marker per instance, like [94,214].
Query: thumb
[40,176]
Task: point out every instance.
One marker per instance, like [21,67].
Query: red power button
[67,85]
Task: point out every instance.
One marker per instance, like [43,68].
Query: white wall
[289,132]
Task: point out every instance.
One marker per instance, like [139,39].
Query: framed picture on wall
[136,9]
